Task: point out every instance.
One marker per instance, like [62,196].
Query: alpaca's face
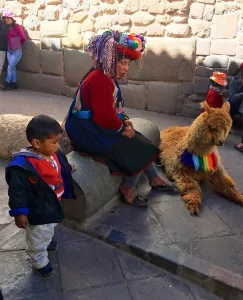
[211,128]
[217,127]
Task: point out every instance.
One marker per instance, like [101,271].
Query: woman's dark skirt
[128,157]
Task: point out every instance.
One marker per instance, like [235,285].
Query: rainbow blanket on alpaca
[206,163]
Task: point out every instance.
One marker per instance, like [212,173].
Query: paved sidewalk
[215,236]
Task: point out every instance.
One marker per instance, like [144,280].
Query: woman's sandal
[240,149]
[169,186]
[138,201]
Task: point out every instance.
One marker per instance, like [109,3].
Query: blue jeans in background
[13,59]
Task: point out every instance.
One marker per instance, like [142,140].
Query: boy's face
[49,146]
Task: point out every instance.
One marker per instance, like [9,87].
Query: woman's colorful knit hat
[207,163]
[105,49]
[219,78]
[7,13]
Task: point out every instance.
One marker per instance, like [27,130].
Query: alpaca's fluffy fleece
[207,132]
[13,136]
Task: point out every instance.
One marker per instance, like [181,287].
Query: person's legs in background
[2,60]
[13,59]
[235,103]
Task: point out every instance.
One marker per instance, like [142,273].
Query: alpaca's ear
[226,107]
[204,105]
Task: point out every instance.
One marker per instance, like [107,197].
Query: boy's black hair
[42,127]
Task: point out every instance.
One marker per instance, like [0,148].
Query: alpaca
[189,156]
[13,137]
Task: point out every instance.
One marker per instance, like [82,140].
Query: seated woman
[97,125]
[215,97]
[236,91]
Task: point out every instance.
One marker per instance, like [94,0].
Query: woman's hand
[128,123]
[21,221]
[129,132]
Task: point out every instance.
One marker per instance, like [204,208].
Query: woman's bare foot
[157,182]
[128,194]
[239,147]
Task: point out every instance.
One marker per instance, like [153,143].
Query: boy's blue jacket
[30,195]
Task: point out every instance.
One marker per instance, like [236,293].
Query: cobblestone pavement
[90,269]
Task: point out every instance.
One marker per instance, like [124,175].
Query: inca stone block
[135,96]
[177,7]
[156,6]
[164,19]
[177,30]
[52,13]
[200,28]
[131,7]
[162,97]
[51,62]
[79,17]
[74,37]
[223,47]
[45,43]
[57,28]
[30,60]
[186,88]
[225,26]
[143,18]
[196,11]
[76,64]
[123,20]
[197,98]
[208,12]
[207,1]
[155,30]
[190,109]
[201,85]
[214,61]
[56,44]
[220,8]
[166,60]
[203,47]
[240,39]
[40,82]
[239,52]
[202,71]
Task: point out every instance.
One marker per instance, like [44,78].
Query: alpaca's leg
[190,191]
[222,184]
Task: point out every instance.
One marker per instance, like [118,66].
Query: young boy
[38,177]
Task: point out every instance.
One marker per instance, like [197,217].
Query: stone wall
[186,40]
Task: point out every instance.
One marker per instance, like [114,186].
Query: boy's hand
[21,221]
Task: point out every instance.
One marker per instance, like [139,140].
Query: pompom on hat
[7,13]
[219,78]
[105,49]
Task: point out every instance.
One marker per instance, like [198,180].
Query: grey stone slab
[135,96]
[225,252]
[18,281]
[181,227]
[186,88]
[51,62]
[202,71]
[30,60]
[76,63]
[87,263]
[201,85]
[160,288]
[200,294]
[135,268]
[158,197]
[16,242]
[64,234]
[229,212]
[110,292]
[133,222]
[162,97]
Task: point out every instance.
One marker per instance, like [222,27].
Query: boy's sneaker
[53,247]
[14,85]
[47,272]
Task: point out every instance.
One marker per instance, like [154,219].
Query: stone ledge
[212,278]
